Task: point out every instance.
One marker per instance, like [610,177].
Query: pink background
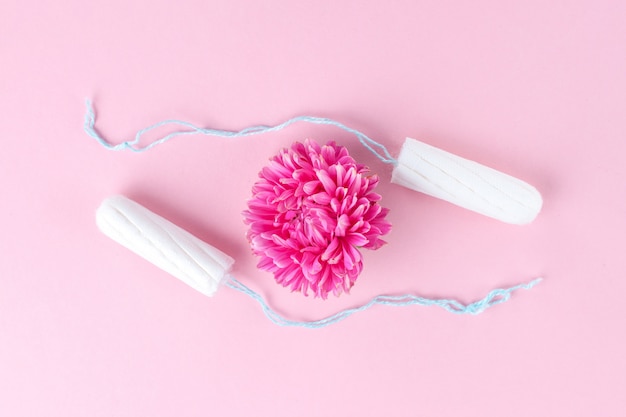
[534,88]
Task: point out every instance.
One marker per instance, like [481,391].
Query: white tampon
[161,242]
[466,183]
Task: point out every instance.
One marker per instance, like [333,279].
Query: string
[186,128]
[494,297]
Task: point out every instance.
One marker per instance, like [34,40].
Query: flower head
[311,210]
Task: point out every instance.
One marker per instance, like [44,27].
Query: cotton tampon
[422,167]
[161,242]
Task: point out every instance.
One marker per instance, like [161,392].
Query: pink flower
[310,212]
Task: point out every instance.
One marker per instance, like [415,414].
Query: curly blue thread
[134,145]
[494,297]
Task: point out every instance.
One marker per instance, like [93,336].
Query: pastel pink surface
[536,89]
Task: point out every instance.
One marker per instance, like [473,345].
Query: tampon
[196,263]
[466,183]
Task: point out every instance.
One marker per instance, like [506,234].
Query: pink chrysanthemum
[313,207]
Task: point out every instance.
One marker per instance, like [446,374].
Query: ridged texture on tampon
[161,242]
[466,183]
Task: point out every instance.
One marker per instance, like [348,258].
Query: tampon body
[161,242]
[466,183]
